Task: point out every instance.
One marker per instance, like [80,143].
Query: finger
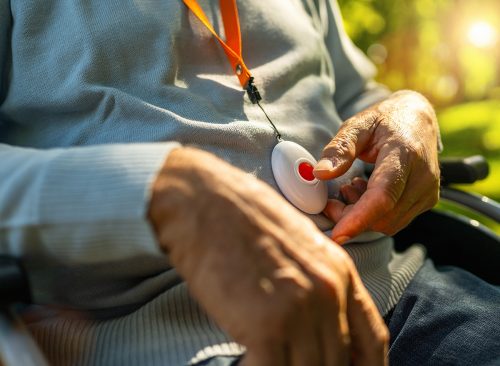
[336,209]
[418,196]
[352,192]
[360,184]
[334,330]
[369,210]
[411,196]
[336,340]
[385,188]
[318,335]
[350,141]
[305,345]
[349,193]
[369,335]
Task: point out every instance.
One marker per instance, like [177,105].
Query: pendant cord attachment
[252,91]
[255,98]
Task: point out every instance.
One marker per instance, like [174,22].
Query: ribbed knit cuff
[93,201]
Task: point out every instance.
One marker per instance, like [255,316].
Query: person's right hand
[261,269]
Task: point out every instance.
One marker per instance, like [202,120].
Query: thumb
[350,142]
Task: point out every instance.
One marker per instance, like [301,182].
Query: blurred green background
[449,50]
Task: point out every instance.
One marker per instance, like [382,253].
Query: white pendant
[292,167]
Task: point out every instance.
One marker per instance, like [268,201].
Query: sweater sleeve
[355,88]
[80,207]
[73,203]
[76,216]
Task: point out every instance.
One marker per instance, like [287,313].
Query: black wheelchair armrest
[457,170]
[463,170]
[14,285]
[466,171]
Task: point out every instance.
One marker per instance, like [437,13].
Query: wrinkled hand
[399,135]
[261,269]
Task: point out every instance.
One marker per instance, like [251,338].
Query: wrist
[183,196]
[168,192]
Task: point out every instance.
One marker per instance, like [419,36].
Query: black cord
[278,134]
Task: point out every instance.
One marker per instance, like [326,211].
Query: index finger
[384,190]
[370,336]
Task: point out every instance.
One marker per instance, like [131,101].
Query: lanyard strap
[232,45]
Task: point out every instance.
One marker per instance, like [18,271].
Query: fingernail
[341,239]
[324,165]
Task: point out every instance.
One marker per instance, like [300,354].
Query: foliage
[446,49]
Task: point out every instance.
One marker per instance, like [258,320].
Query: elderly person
[137,186]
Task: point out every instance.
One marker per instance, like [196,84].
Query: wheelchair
[450,239]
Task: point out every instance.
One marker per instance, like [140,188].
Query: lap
[446,316]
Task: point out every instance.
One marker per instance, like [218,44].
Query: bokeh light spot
[482,34]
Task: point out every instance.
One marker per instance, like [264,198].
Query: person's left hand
[399,135]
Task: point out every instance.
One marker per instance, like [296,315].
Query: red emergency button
[306,171]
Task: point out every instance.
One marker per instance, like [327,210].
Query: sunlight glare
[482,34]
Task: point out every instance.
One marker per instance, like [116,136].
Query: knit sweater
[93,96]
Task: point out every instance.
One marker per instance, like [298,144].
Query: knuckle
[348,266]
[416,149]
[341,146]
[332,291]
[343,264]
[390,200]
[389,197]
[301,298]
[297,291]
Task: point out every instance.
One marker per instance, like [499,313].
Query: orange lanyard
[232,45]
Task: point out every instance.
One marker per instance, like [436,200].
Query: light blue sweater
[93,96]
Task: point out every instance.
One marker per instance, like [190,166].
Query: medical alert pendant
[292,167]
